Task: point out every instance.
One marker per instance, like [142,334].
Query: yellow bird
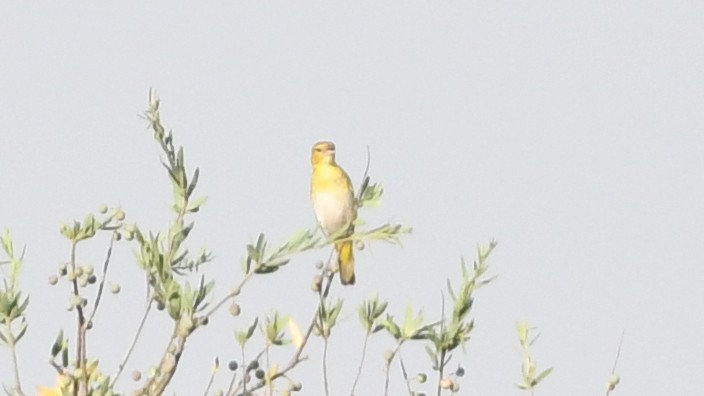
[333,202]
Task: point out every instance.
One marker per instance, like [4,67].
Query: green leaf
[244,336]
[451,291]
[23,329]
[194,182]
[179,199]
[278,262]
[379,309]
[195,205]
[251,328]
[89,226]
[364,315]
[68,231]
[274,328]
[335,313]
[179,157]
[64,354]
[523,329]
[253,254]
[371,195]
[411,323]
[391,327]
[203,292]
[542,375]
[174,306]
[261,245]
[246,264]
[265,269]
[23,306]
[58,344]
[241,337]
[7,244]
[433,357]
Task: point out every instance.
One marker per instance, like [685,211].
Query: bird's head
[323,153]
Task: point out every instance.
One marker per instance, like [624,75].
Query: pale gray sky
[572,132]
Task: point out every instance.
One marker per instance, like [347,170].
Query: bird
[334,204]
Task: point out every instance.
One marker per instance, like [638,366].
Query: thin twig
[365,178]
[82,389]
[388,366]
[297,358]
[232,383]
[268,370]
[238,289]
[294,361]
[441,364]
[405,374]
[257,358]
[123,363]
[618,355]
[212,377]
[228,297]
[369,161]
[99,294]
[59,369]
[245,366]
[11,340]
[15,366]
[441,371]
[361,363]
[325,366]
[618,352]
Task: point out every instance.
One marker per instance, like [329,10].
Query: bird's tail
[345,260]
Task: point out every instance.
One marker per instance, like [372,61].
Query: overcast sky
[571,132]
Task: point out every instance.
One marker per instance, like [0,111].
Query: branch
[82,389]
[390,359]
[615,379]
[361,363]
[296,358]
[122,364]
[169,361]
[99,294]
[325,366]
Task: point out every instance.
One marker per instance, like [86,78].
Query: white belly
[333,210]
